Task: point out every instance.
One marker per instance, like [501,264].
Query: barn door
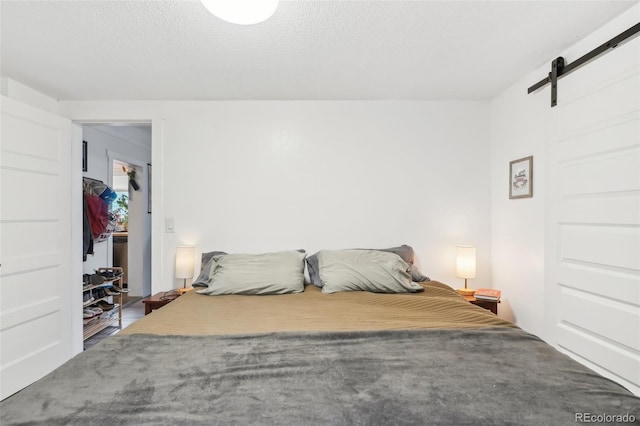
[593,223]
[36,330]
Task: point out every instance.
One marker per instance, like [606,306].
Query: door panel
[32,205]
[593,223]
[35,245]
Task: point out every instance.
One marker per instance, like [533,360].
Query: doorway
[120,155]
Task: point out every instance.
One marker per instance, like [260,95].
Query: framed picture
[85,166]
[149,188]
[521,178]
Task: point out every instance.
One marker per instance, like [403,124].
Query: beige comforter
[438,306]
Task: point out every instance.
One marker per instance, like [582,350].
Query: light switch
[170,225]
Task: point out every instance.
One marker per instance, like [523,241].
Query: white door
[36,285]
[593,223]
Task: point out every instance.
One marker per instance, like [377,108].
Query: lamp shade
[243,12]
[466,262]
[185,256]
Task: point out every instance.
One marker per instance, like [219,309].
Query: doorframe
[77,232]
[156,141]
[83,114]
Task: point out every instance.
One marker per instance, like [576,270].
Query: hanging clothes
[97,199]
[98,214]
[87,237]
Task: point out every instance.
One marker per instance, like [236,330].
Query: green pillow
[268,273]
[404,251]
[364,270]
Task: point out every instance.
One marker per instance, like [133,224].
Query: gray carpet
[452,377]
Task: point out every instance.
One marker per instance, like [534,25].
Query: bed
[310,358]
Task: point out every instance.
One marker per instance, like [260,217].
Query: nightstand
[158,300]
[487,304]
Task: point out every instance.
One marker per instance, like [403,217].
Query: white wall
[519,127]
[262,176]
[568,258]
[104,145]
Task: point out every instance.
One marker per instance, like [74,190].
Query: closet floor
[132,311]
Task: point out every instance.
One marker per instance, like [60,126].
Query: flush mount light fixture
[242,12]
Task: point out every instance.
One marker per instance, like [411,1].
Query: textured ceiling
[122,50]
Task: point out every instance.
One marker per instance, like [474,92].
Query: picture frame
[149,188]
[521,178]
[85,165]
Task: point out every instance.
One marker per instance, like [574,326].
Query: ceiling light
[243,12]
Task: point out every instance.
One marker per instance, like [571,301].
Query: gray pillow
[268,273]
[205,269]
[206,257]
[207,263]
[416,275]
[404,251]
[364,270]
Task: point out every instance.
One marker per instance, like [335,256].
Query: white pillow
[364,270]
[268,273]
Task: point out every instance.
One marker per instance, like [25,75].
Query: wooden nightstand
[487,304]
[158,300]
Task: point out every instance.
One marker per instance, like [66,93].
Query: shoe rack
[112,276]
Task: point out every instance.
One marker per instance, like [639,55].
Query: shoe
[96,310]
[121,290]
[87,302]
[99,293]
[111,291]
[110,275]
[96,279]
[91,312]
[106,307]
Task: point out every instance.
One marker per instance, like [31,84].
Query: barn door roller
[560,69]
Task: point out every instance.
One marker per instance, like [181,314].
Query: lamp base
[466,291]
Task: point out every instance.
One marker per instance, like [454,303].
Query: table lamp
[466,267]
[185,256]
